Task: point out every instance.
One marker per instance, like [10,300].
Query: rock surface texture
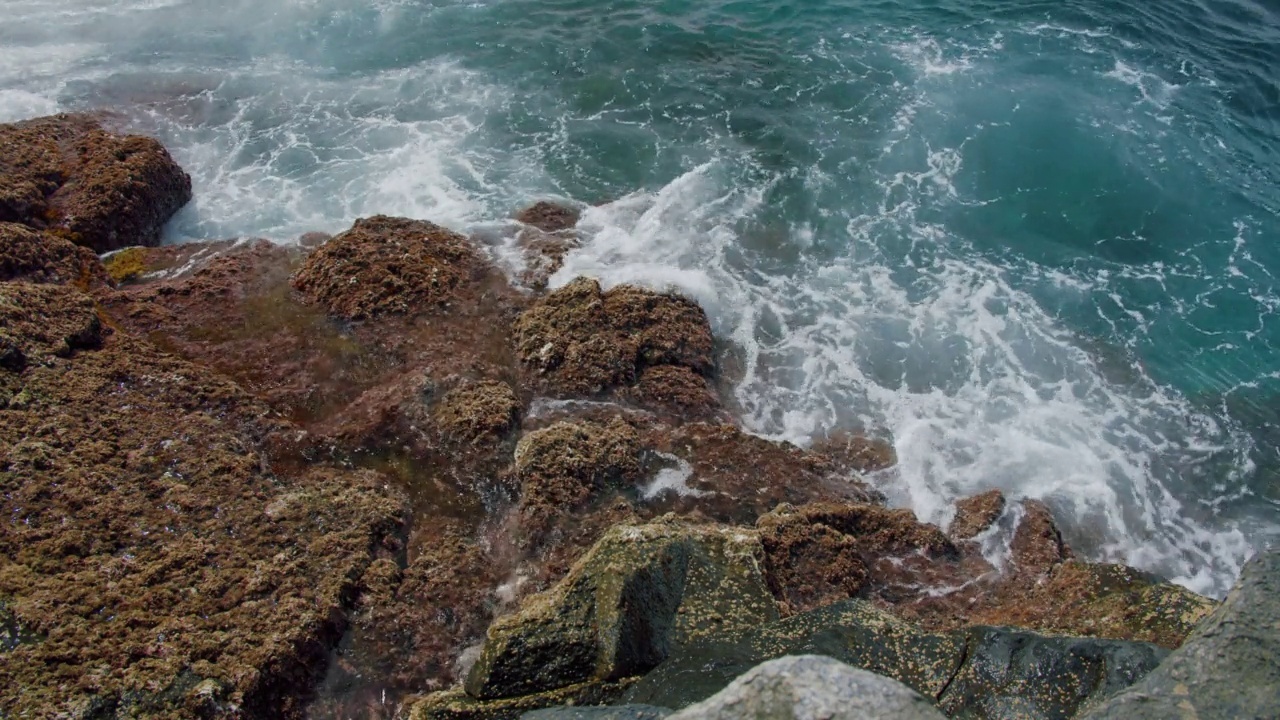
[812,687]
[1228,668]
[68,176]
[159,565]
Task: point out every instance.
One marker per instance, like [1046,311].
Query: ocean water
[1035,243]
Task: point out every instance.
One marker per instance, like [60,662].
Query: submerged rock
[639,594]
[812,687]
[68,176]
[1228,668]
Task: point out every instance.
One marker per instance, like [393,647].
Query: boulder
[642,592]
[158,562]
[582,341]
[1228,668]
[33,256]
[67,175]
[812,687]
[1010,674]
[385,265]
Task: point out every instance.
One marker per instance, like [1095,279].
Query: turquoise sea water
[1035,243]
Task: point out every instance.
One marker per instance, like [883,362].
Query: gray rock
[616,712]
[1228,668]
[1011,674]
[812,687]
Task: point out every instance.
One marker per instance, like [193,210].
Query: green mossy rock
[642,592]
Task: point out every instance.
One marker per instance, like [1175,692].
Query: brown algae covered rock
[547,237]
[158,565]
[69,176]
[733,476]
[33,256]
[584,342]
[824,552]
[478,412]
[561,469]
[975,514]
[385,265]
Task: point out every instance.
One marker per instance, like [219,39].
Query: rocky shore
[372,475]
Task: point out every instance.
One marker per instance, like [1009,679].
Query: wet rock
[807,687]
[560,469]
[853,632]
[385,265]
[640,593]
[580,341]
[809,565]
[167,566]
[735,477]
[824,552]
[975,514]
[412,624]
[549,217]
[1102,600]
[37,257]
[546,239]
[478,412]
[677,393]
[614,712]
[67,175]
[1037,545]
[857,453]
[1010,674]
[1230,665]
